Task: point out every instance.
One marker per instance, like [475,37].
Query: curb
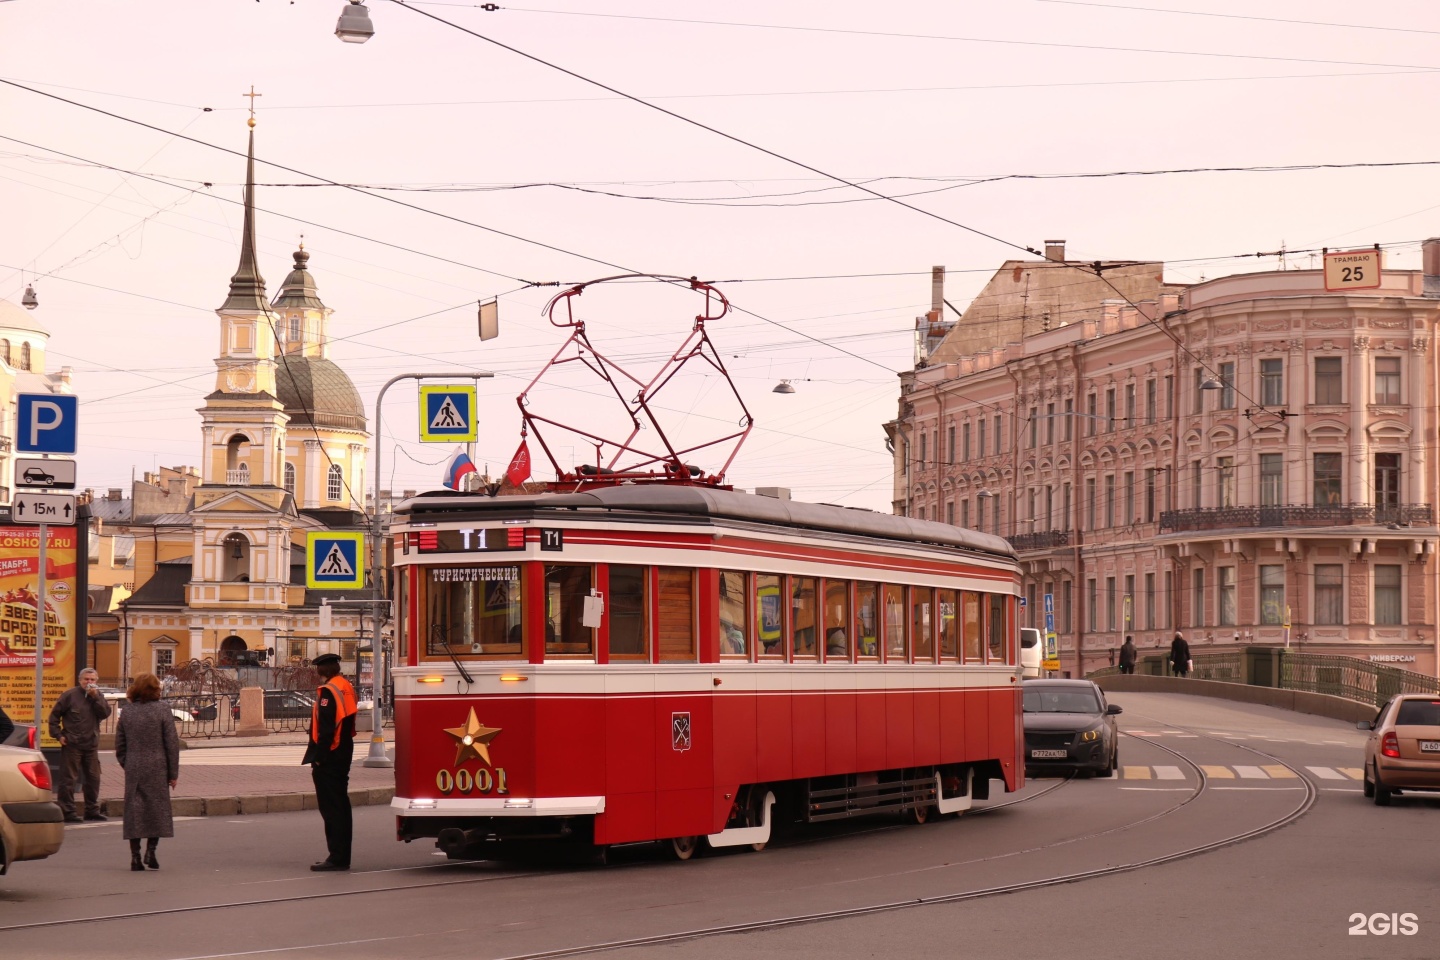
[251,804]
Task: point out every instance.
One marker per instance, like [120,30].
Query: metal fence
[1353,679]
[1217,666]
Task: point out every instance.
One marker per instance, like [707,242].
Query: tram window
[802,617]
[997,628]
[867,620]
[769,616]
[922,624]
[837,620]
[677,615]
[566,588]
[628,637]
[733,639]
[949,624]
[402,605]
[473,610]
[894,623]
[970,626]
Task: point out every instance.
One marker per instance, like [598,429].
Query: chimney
[113,493]
[1055,250]
[1430,251]
[937,291]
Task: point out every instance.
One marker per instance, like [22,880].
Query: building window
[1327,479]
[950,512]
[333,485]
[1129,404]
[1091,418]
[964,442]
[1225,601]
[1198,394]
[1197,485]
[1030,605]
[1167,602]
[996,514]
[1387,380]
[1128,603]
[1227,386]
[1169,396]
[1065,612]
[1049,508]
[1149,601]
[1272,594]
[1272,383]
[1197,597]
[1094,610]
[1327,381]
[1129,496]
[1150,403]
[1149,494]
[923,438]
[1065,507]
[24,356]
[1329,594]
[1089,503]
[1049,423]
[921,514]
[1069,420]
[1110,603]
[1387,594]
[950,445]
[1109,499]
[980,438]
[999,435]
[964,513]
[5,350]
[1272,479]
[290,479]
[164,660]
[1226,478]
[1110,410]
[1034,427]
[1387,480]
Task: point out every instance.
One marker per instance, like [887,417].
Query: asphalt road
[240,888]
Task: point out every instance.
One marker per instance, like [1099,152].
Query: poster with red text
[21,620]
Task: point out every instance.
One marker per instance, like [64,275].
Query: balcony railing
[1326,515]
[1040,540]
[237,478]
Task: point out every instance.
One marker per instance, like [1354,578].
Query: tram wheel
[682,848]
[917,815]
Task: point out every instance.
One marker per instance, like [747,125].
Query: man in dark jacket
[331,748]
[74,721]
[1127,655]
[1180,655]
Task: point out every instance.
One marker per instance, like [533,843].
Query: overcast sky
[914,98]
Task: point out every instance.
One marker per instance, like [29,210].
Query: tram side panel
[842,725]
[927,726]
[1006,736]
[631,754]
[899,728]
[684,766]
[871,732]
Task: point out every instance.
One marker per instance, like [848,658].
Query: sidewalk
[243,776]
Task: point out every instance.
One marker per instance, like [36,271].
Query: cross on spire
[252,95]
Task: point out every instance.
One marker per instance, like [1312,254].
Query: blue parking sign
[46,423]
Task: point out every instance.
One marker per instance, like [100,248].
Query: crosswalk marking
[1168,773]
[1240,771]
[1218,773]
[1354,773]
[1326,773]
[1279,773]
[1251,773]
[1137,773]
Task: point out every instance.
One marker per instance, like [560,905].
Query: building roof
[13,317]
[104,508]
[165,589]
[247,287]
[316,392]
[298,290]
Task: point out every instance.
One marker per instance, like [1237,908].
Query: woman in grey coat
[148,747]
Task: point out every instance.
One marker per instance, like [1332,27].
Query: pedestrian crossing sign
[447,413]
[335,561]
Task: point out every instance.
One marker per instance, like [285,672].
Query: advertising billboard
[21,620]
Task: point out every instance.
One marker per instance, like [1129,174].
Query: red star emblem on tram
[472,739]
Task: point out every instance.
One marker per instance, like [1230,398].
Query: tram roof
[712,504]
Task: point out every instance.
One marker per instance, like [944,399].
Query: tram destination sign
[479,540]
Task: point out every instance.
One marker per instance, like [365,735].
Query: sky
[484,164]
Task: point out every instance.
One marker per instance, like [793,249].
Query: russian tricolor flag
[456,468]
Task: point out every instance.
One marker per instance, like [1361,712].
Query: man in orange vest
[331,748]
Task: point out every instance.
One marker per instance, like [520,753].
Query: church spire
[247,287]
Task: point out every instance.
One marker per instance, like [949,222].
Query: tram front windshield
[474,610]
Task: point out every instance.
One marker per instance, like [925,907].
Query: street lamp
[377,757]
[354,25]
[30,301]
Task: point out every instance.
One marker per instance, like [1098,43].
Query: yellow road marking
[1279,773]
[1136,773]
[1218,773]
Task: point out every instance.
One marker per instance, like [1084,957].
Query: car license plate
[1051,754]
[1430,746]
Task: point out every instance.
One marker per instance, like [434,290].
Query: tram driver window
[894,623]
[473,611]
[733,639]
[997,629]
[922,624]
[867,620]
[803,620]
[970,627]
[769,616]
[566,588]
[837,620]
[628,637]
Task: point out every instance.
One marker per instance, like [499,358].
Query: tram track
[1310,794]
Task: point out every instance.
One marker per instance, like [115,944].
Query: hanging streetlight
[354,25]
[30,301]
[783,387]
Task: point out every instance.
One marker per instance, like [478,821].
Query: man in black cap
[331,748]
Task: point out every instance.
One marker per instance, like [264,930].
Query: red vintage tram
[679,662]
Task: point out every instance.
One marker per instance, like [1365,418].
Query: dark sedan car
[1068,728]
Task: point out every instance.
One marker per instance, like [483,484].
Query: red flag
[519,470]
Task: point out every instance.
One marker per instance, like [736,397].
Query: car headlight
[1091,735]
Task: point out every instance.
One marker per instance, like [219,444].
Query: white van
[1030,650]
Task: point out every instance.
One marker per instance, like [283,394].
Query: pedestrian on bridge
[1127,655]
[75,721]
[148,747]
[1179,655]
[329,753]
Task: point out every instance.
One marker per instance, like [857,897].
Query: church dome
[317,392]
[13,317]
[298,290]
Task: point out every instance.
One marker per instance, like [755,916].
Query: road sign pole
[40,643]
